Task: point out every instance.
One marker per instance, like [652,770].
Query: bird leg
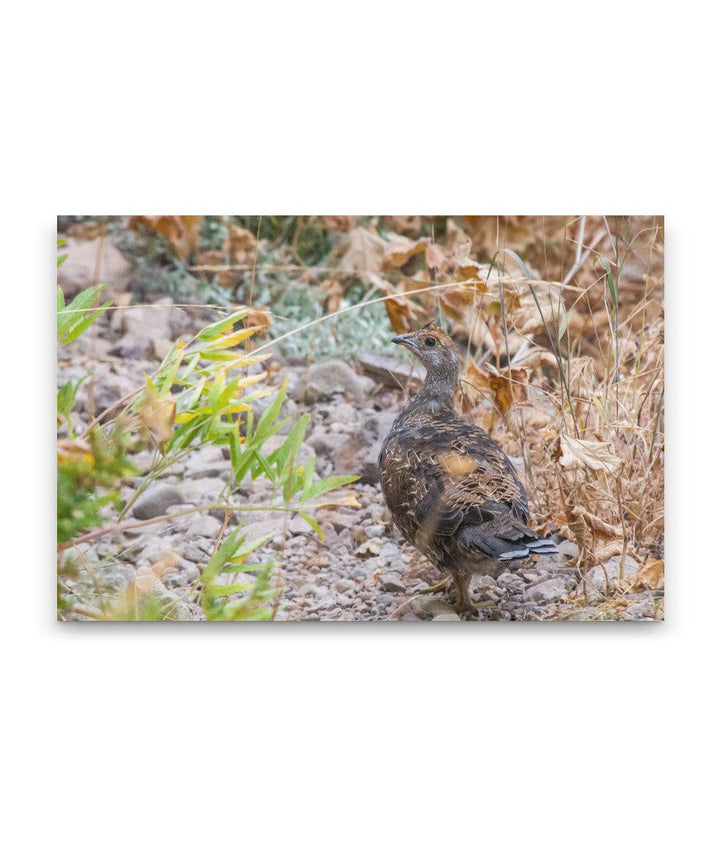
[440,585]
[465,604]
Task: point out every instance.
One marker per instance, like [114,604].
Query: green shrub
[201,394]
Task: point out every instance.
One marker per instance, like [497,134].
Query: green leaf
[315,525]
[61,243]
[564,321]
[216,387]
[227,394]
[74,319]
[222,555]
[235,447]
[66,397]
[262,432]
[215,590]
[612,287]
[326,485]
[308,473]
[264,466]
[222,326]
[284,456]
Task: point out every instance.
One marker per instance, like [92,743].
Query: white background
[359,739]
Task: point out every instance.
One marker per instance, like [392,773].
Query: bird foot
[471,607]
[440,585]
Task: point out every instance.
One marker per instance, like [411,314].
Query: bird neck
[440,384]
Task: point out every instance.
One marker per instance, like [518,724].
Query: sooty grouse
[450,488]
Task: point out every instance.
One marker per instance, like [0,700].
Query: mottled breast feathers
[442,476]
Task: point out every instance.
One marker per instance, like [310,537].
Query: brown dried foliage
[560,371]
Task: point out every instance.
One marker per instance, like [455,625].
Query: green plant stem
[107,530]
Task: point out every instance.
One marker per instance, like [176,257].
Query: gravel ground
[362,570]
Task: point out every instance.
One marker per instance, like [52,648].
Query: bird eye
[430,341]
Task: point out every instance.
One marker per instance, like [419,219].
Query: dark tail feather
[507,547]
[542,546]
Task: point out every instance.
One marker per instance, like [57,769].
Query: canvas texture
[360,418]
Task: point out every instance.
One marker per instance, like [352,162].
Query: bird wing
[465,470]
[468,494]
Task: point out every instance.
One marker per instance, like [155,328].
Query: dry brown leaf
[338,223]
[182,231]
[399,313]
[492,233]
[460,304]
[240,245]
[157,415]
[362,253]
[598,527]
[399,250]
[507,386]
[407,225]
[334,294]
[167,562]
[259,317]
[435,256]
[88,231]
[75,451]
[652,573]
[575,454]
[216,259]
[458,242]
[607,551]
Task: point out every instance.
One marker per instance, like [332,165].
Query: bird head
[434,348]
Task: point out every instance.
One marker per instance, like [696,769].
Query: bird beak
[401,340]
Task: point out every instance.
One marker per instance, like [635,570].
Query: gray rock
[158,321]
[389,370]
[587,613]
[511,582]
[546,591]
[324,380]
[569,549]
[203,491]
[131,347]
[142,460]
[197,551]
[361,451]
[447,616]
[112,382]
[389,550]
[91,262]
[640,609]
[306,589]
[156,500]
[219,514]
[601,579]
[375,531]
[206,525]
[207,461]
[431,606]
[298,526]
[326,442]
[391,582]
